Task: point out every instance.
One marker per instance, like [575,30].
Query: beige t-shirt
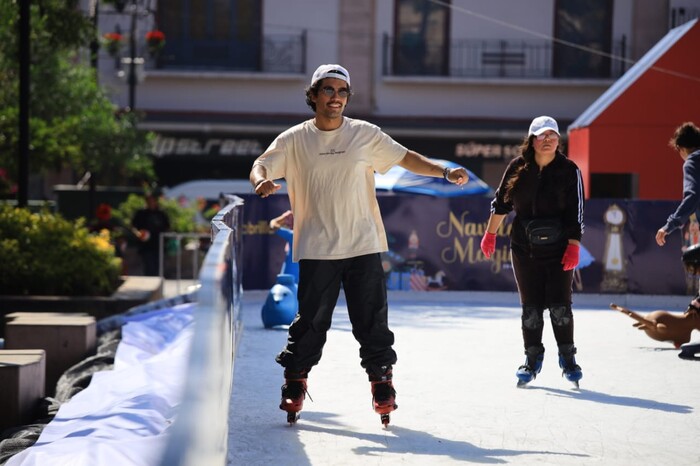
[330,181]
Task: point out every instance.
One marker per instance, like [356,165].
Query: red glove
[488,244]
[570,259]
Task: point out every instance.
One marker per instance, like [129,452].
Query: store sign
[165,146]
[474,149]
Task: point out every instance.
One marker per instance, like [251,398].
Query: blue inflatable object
[401,180]
[281,304]
[585,258]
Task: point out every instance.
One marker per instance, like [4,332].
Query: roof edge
[631,76]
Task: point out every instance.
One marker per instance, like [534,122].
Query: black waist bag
[543,231]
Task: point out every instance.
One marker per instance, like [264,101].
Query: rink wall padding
[199,437]
[434,245]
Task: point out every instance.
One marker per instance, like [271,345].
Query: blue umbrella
[400,180]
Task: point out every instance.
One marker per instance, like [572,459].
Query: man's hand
[457,176]
[266,187]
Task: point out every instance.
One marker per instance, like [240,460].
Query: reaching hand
[286,220]
[661,237]
[141,235]
[570,259]
[458,176]
[488,244]
[266,188]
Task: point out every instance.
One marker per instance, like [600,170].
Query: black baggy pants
[363,282]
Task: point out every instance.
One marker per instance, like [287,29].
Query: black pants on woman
[363,282]
[543,284]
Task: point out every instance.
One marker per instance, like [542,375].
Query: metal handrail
[178,238]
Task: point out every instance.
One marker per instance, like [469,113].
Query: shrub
[45,254]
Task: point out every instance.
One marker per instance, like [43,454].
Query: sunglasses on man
[343,93]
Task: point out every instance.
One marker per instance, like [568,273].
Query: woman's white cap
[541,124]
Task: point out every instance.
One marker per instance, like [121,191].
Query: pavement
[172,288]
[458,401]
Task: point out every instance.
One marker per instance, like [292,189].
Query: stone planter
[134,291]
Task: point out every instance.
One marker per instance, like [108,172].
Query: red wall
[631,135]
[578,152]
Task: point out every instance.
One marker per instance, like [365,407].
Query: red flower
[104,212]
[155,36]
[113,37]
[113,42]
[155,40]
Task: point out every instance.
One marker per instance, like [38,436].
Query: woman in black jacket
[545,190]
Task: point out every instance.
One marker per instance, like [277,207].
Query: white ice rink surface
[458,402]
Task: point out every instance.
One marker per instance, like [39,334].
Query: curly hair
[313,91]
[686,135]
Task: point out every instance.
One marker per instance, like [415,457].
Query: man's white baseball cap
[330,71]
[541,124]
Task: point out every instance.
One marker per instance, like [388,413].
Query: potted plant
[155,40]
[113,42]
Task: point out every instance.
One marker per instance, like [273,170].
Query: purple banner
[434,245]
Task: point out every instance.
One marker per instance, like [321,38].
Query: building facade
[453,79]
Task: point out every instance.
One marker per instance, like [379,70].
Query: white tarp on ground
[457,396]
[122,417]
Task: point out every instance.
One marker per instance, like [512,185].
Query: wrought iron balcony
[473,58]
[275,53]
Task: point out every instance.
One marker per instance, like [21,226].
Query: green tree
[72,121]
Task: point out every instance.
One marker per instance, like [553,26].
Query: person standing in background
[283,226]
[148,223]
[545,190]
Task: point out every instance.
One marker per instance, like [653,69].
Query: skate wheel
[385,419]
[292,417]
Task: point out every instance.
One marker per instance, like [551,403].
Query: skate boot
[690,352]
[567,362]
[383,393]
[533,365]
[293,394]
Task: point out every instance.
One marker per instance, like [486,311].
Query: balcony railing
[678,16]
[473,58]
[284,53]
[275,53]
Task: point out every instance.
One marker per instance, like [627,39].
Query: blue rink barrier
[199,436]
[434,245]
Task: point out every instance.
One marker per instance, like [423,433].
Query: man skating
[328,163]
